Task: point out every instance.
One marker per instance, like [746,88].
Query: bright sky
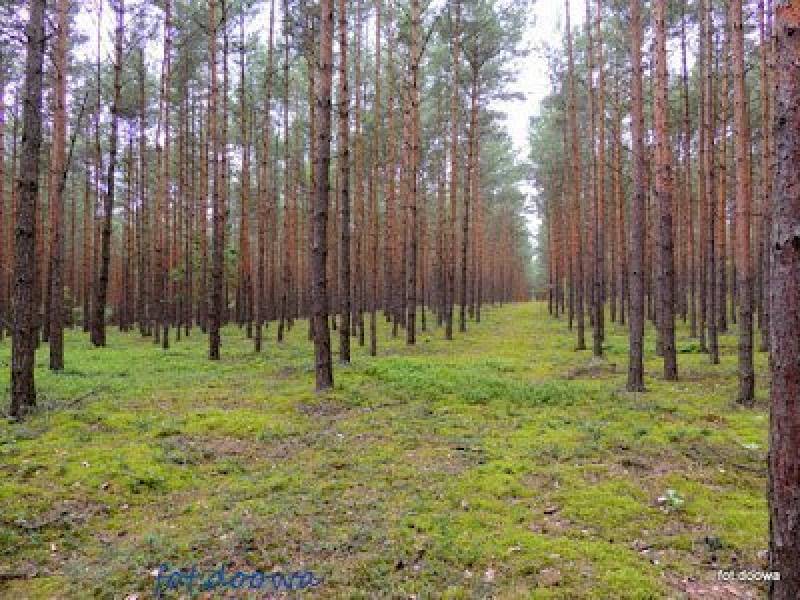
[534,81]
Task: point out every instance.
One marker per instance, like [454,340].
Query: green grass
[502,464]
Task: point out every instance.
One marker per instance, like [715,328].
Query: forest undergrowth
[502,464]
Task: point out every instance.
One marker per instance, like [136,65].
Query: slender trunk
[636,309]
[57,176]
[664,194]
[743,200]
[217,207]
[98,329]
[710,199]
[454,131]
[23,393]
[264,196]
[319,250]
[376,136]
[343,144]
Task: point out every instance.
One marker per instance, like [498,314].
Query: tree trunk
[57,177]
[784,459]
[23,393]
[343,145]
[319,250]
[743,200]
[98,329]
[710,200]
[217,207]
[454,131]
[635,260]
[664,194]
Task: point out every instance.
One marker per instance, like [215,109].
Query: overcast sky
[533,81]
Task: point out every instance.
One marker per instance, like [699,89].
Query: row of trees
[690,209]
[207,172]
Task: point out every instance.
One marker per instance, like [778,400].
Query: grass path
[502,464]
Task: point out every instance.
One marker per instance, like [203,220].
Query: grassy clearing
[503,464]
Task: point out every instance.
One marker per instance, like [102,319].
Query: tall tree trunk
[743,201]
[471,189]
[3,219]
[664,194]
[376,137]
[343,161]
[286,263]
[319,250]
[454,131]
[413,179]
[635,260]
[217,206]
[57,177]
[264,199]
[245,304]
[98,329]
[766,168]
[23,392]
[784,459]
[600,191]
[710,199]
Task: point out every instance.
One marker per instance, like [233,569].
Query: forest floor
[503,464]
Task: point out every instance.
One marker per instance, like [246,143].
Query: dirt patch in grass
[710,589]
[63,513]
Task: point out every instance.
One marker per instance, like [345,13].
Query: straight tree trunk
[600,190]
[635,260]
[343,161]
[784,453]
[766,168]
[413,180]
[710,199]
[23,345]
[319,250]
[57,177]
[687,168]
[376,136]
[98,329]
[264,199]
[3,233]
[743,201]
[454,131]
[217,207]
[664,194]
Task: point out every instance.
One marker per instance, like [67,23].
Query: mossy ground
[503,464]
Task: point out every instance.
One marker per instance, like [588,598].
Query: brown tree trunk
[375,183]
[217,206]
[743,201]
[710,199]
[286,263]
[3,232]
[264,199]
[343,161]
[635,260]
[98,328]
[413,179]
[784,459]
[319,250]
[766,170]
[57,177]
[454,131]
[664,194]
[23,392]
